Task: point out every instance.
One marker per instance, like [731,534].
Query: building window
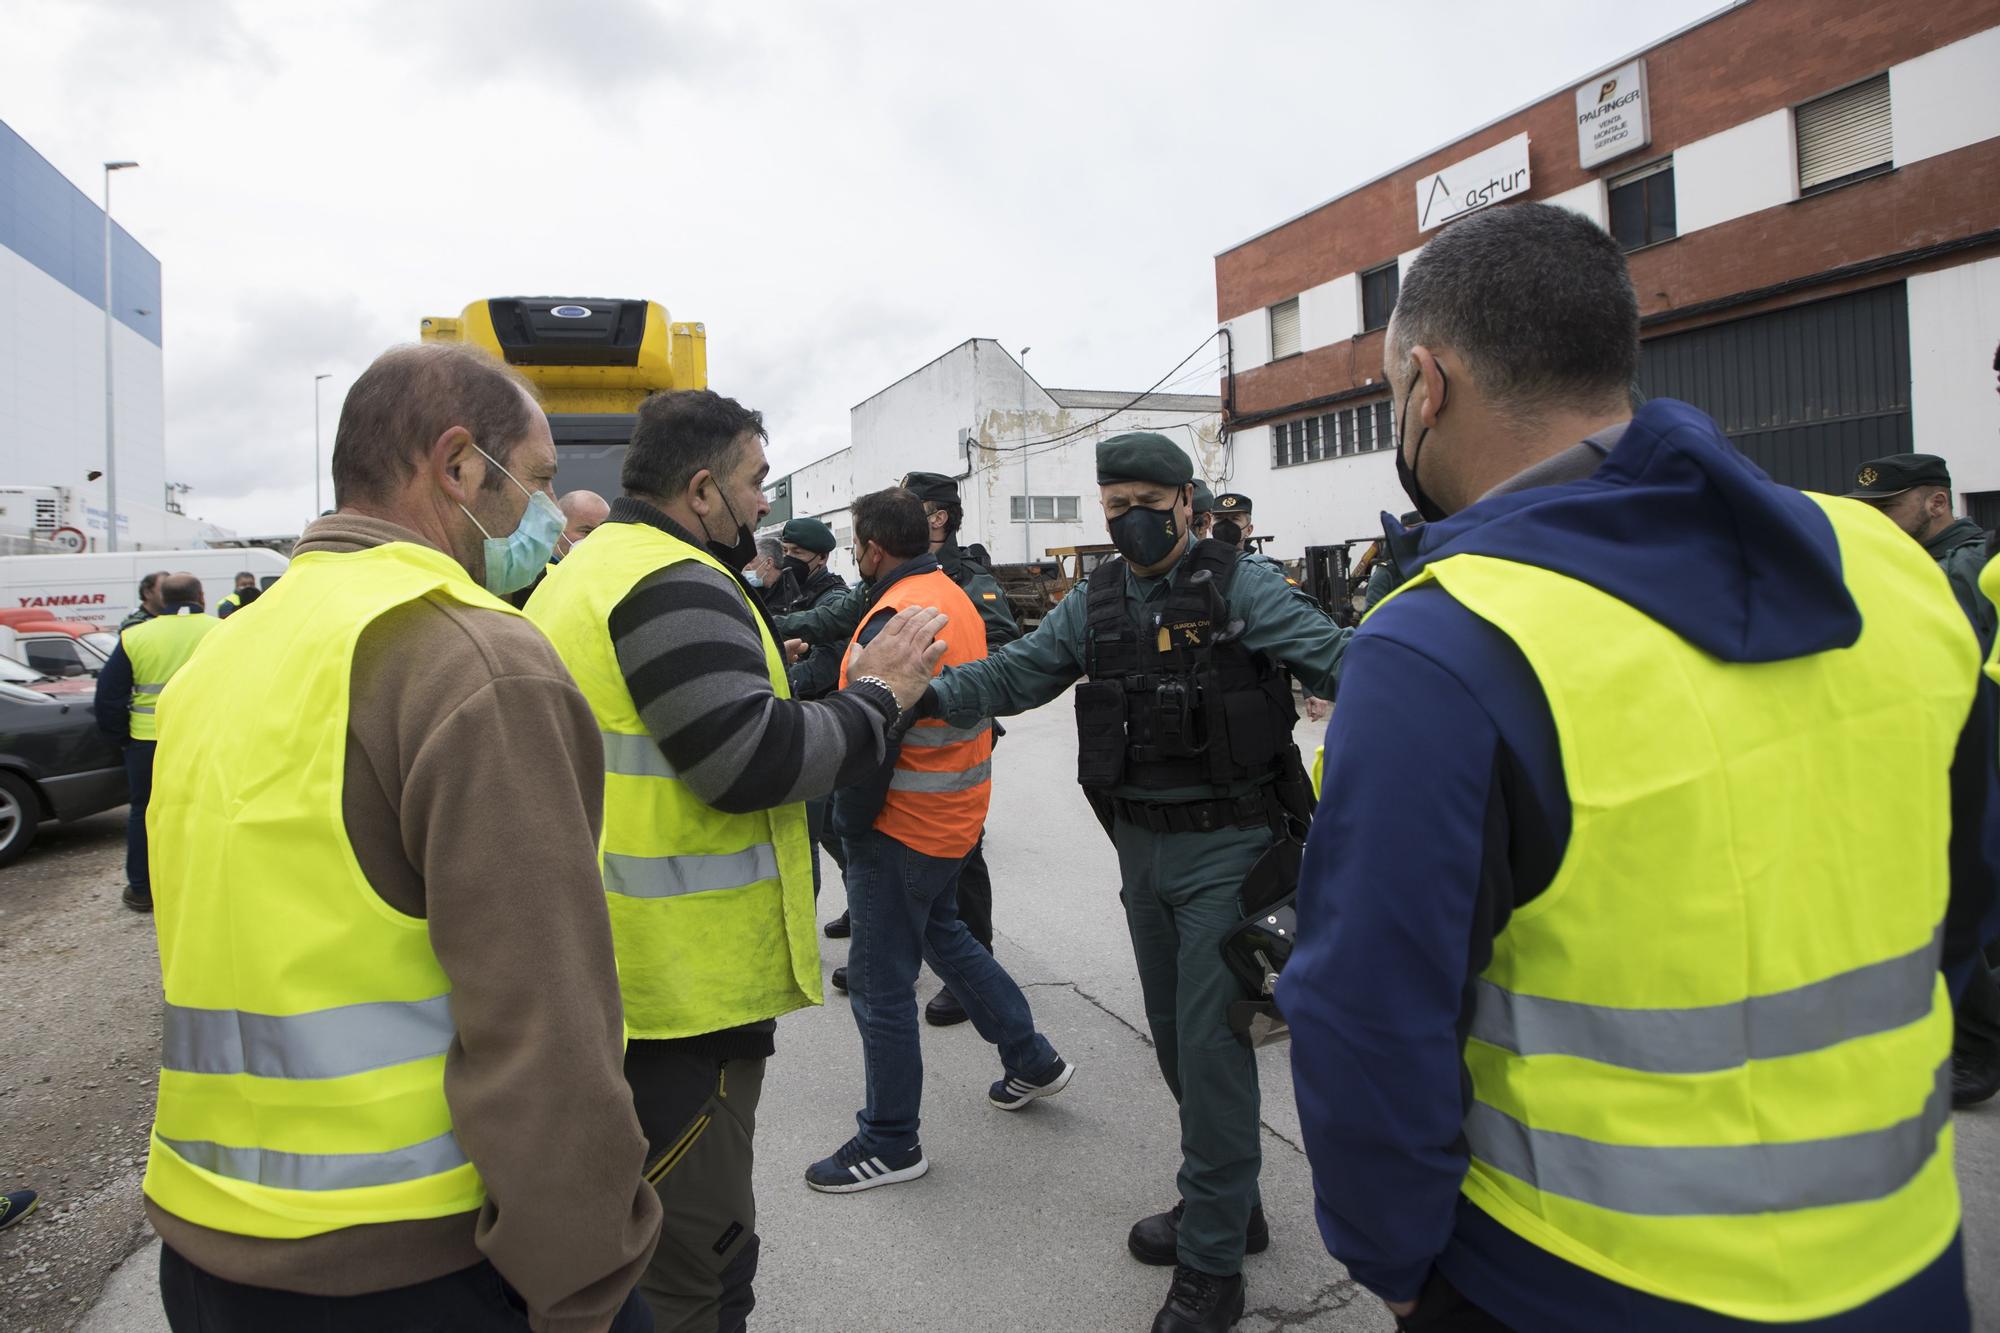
[1844,136]
[1046,508]
[1378,295]
[1642,206]
[1285,329]
[1351,430]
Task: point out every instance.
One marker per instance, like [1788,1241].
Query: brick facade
[1763,57]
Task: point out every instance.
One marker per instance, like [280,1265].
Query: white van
[102,587]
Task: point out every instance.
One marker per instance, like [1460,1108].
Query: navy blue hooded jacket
[1445,808]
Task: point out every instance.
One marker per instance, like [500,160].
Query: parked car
[14,671]
[55,647]
[54,765]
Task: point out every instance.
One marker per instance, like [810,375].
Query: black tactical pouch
[1100,733]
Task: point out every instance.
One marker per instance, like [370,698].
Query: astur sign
[1501,172]
[1611,115]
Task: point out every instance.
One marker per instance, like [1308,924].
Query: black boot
[840,980]
[1200,1302]
[838,928]
[944,1009]
[1155,1240]
[1972,1081]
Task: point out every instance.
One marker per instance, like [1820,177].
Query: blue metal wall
[60,230]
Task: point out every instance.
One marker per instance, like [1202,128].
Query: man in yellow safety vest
[390,1093]
[148,654]
[1613,1007]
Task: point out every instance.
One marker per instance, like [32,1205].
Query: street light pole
[1027,500]
[110,406]
[318,508]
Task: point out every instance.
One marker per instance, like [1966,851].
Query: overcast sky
[840,191]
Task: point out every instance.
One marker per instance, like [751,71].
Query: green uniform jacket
[833,622]
[1034,670]
[1960,551]
[816,674]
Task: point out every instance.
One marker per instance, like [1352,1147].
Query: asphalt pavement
[1021,1222]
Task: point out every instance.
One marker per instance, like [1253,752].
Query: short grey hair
[771,549]
[1534,299]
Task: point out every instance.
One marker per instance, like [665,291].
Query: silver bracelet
[885,685]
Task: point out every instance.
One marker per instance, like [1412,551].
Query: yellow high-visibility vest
[711,914]
[307,1021]
[158,648]
[1711,1061]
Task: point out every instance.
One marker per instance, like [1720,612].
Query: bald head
[181,589]
[582,512]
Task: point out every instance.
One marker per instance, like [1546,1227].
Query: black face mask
[1146,536]
[1406,472]
[733,557]
[797,568]
[1227,530]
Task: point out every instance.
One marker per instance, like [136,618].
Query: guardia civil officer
[1204,510]
[1235,523]
[1914,490]
[1633,1020]
[807,543]
[1185,745]
[835,623]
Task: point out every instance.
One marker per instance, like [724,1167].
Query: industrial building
[1806,192]
[52,354]
[1025,456]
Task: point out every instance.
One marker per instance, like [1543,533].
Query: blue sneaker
[17,1205]
[1014,1092]
[854,1168]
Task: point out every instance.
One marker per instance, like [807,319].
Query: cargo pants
[1181,898]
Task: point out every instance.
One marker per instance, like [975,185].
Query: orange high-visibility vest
[943,781]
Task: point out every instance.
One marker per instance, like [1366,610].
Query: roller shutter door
[1807,393]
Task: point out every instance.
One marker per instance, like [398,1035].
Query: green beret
[932,487]
[810,534]
[1204,498]
[1143,455]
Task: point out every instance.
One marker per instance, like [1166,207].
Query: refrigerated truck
[102,587]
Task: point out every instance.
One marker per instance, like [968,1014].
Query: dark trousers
[472,1298]
[139,778]
[1443,1308]
[1975,1040]
[823,836]
[699,1114]
[975,895]
[904,915]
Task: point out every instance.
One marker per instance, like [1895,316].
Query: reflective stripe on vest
[157,649]
[1707,1060]
[910,779]
[941,786]
[326,1043]
[322,1171]
[1704,1038]
[1726,1181]
[666,876]
[712,914]
[307,1022]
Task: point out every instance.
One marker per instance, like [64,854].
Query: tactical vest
[306,1021]
[1177,702]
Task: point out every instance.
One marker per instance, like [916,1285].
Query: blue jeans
[139,779]
[819,818]
[904,907]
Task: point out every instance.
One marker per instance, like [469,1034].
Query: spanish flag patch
[990,596]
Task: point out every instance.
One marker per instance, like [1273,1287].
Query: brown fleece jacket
[473,796]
